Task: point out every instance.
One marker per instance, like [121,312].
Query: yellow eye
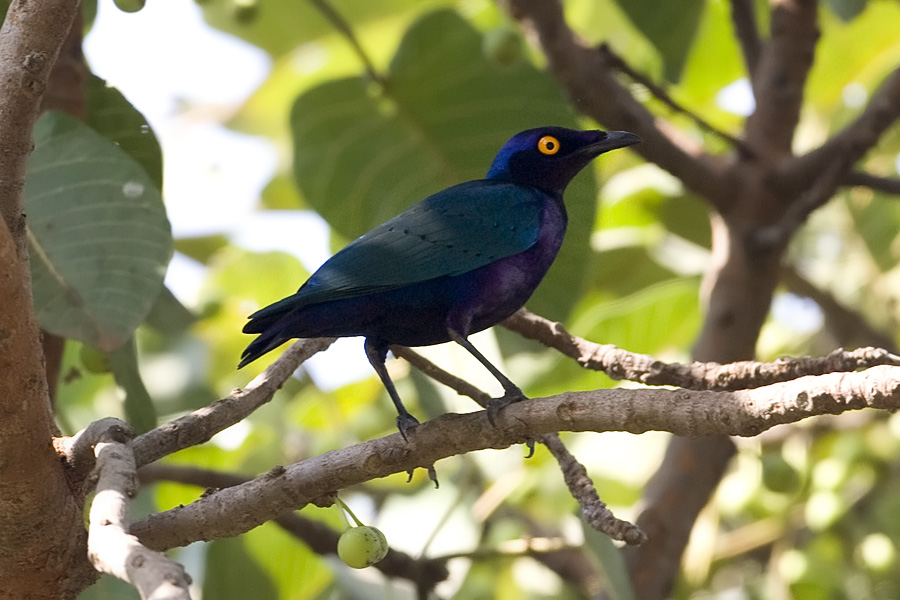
[548,145]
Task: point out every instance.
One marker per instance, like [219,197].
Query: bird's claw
[530,444]
[494,405]
[405,422]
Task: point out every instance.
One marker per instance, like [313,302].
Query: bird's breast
[495,291]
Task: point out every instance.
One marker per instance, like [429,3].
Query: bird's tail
[267,341]
[268,324]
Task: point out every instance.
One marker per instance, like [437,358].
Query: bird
[454,264]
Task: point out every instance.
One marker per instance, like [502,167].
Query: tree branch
[780,76]
[590,82]
[423,572]
[199,426]
[848,145]
[575,475]
[888,185]
[703,413]
[111,548]
[344,28]
[743,16]
[621,65]
[642,368]
[846,325]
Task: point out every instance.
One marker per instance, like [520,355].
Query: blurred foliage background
[432,91]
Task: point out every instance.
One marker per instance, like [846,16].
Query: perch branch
[200,425]
[701,413]
[575,475]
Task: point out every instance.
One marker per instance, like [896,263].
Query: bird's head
[549,157]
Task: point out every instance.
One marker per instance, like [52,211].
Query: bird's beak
[613,140]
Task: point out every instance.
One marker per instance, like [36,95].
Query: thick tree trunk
[42,535]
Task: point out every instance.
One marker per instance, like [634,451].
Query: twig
[642,368]
[743,16]
[200,425]
[888,185]
[78,450]
[344,28]
[111,549]
[582,489]
[701,413]
[851,143]
[596,92]
[847,326]
[619,63]
[575,475]
[424,573]
[822,189]
[461,386]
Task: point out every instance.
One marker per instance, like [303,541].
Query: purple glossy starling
[454,264]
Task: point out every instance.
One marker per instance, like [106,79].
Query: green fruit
[245,11]
[361,547]
[93,360]
[130,6]
[503,46]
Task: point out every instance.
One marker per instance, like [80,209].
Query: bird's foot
[432,475]
[494,405]
[405,422]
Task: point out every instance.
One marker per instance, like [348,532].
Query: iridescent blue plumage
[454,264]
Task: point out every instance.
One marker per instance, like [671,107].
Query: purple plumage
[454,264]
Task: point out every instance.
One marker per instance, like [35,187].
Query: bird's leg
[377,355]
[511,392]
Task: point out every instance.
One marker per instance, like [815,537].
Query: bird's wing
[454,231]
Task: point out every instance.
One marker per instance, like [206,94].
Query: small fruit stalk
[361,546]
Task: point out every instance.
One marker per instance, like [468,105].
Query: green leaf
[279,26]
[364,153]
[109,588]
[877,220]
[657,317]
[139,410]
[288,561]
[98,233]
[670,27]
[168,315]
[110,114]
[201,249]
[611,564]
[231,573]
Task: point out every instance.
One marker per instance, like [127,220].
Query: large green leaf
[670,26]
[110,114]
[610,562]
[100,240]
[364,153]
[278,26]
[231,573]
